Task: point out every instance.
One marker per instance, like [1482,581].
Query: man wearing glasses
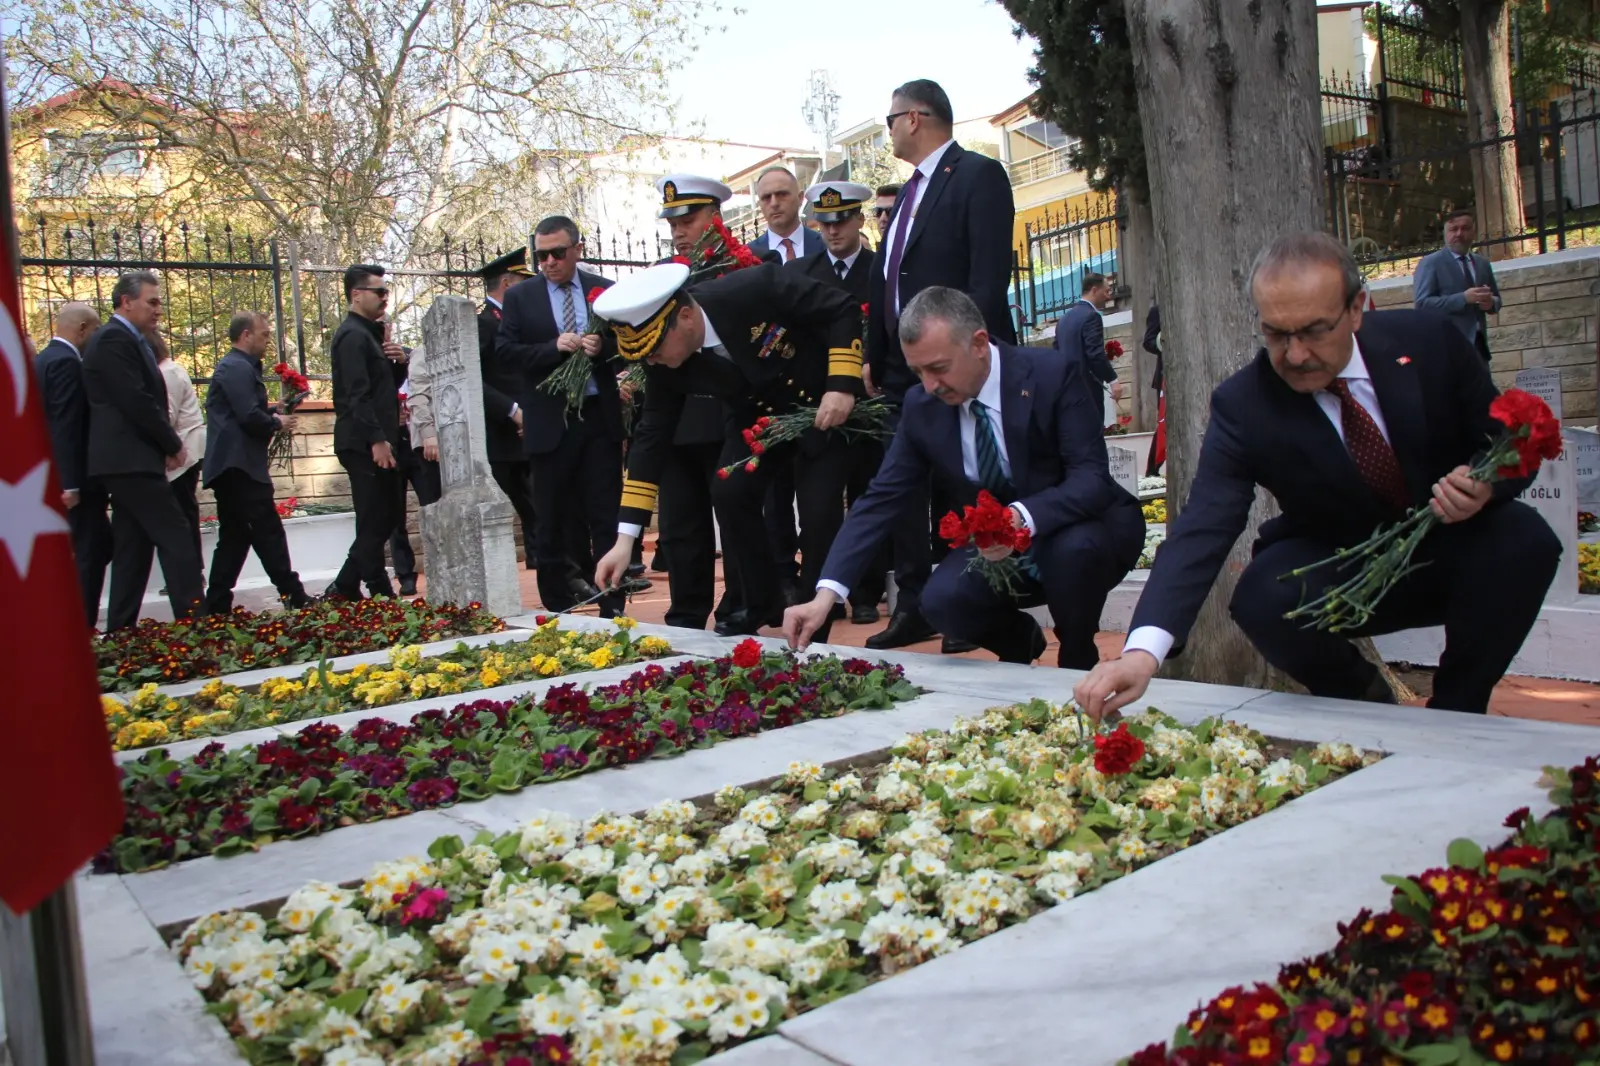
[1347,419]
[366,429]
[883,207]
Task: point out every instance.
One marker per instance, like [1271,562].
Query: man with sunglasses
[1348,419]
[883,207]
[366,429]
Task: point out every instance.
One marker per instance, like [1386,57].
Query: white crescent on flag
[16,357]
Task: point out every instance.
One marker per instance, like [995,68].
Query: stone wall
[1550,307]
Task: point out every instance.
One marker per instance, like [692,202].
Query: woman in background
[183,411]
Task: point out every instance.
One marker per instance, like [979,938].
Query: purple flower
[430,792]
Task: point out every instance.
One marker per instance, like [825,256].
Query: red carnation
[757,448]
[1117,752]
[723,473]
[1532,429]
[747,653]
[680,259]
[281,369]
[1113,349]
[594,293]
[750,467]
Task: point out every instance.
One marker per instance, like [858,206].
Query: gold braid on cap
[637,342]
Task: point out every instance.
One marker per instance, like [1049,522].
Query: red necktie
[1374,459]
[788,249]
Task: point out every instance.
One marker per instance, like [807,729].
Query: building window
[75,158]
[1042,133]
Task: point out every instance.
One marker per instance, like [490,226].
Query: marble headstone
[1584,444]
[467,535]
[1554,492]
[1124,467]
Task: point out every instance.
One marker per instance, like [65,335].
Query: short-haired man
[1348,419]
[1081,332]
[1020,424]
[132,446]
[504,416]
[951,228]
[883,207]
[575,456]
[778,199]
[366,428]
[240,424]
[1458,283]
[59,368]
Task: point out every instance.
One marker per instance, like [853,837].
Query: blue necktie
[991,474]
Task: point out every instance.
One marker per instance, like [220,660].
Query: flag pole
[41,957]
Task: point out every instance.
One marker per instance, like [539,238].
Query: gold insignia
[636,342]
[669,192]
[756,331]
[831,198]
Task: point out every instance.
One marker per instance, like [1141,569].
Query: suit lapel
[1400,398]
[943,175]
[1016,411]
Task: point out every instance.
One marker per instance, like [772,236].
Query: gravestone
[1554,491]
[467,538]
[1584,444]
[1124,468]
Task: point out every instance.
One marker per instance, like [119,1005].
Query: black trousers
[1077,568]
[248,520]
[819,475]
[146,520]
[513,477]
[1482,343]
[376,495]
[1483,579]
[687,532]
[909,544]
[581,478]
[91,545]
[423,477]
[865,458]
[184,487]
[782,537]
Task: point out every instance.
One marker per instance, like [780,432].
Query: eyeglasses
[382,292]
[1280,339]
[882,212]
[888,120]
[542,254]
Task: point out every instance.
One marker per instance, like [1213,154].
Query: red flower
[594,293]
[987,524]
[1118,752]
[757,448]
[281,369]
[750,467]
[680,259]
[747,653]
[723,473]
[1113,349]
[1531,427]
[864,310]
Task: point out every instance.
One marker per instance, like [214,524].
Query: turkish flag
[60,798]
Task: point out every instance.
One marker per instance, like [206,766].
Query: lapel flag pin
[947,170]
[1024,392]
[1404,360]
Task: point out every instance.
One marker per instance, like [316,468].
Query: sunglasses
[888,120]
[382,293]
[541,254]
[882,212]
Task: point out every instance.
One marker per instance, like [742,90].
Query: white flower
[345,1055]
[802,773]
[671,814]
[738,837]
[480,859]
[811,816]
[895,792]
[588,942]
[301,908]
[635,886]
[927,864]
[836,857]
[763,811]
[1283,773]
[549,835]
[591,860]
[834,902]
[492,957]
[844,788]
[1131,849]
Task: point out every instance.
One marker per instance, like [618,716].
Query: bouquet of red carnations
[294,388]
[1113,350]
[870,418]
[570,380]
[1532,434]
[990,524]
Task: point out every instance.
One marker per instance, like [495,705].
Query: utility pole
[821,111]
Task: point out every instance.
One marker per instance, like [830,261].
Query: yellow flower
[360,669]
[623,622]
[406,658]
[1589,568]
[210,690]
[654,646]
[548,666]
[146,698]
[201,722]
[489,677]
[113,709]
[141,734]
[451,668]
[599,659]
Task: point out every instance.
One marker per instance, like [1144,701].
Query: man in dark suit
[839,208]
[1081,331]
[951,227]
[575,455]
[131,448]
[239,426]
[502,387]
[1458,283]
[1024,425]
[1348,419]
[59,369]
[722,338]
[366,429]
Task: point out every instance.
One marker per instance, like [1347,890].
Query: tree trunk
[1138,260]
[1486,81]
[1228,97]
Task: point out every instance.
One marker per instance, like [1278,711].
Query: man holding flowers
[1014,434]
[1350,420]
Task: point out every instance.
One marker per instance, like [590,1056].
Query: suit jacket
[239,420]
[1152,344]
[128,428]
[1434,391]
[1082,331]
[366,395]
[502,388]
[741,306]
[59,370]
[820,269]
[527,343]
[1440,286]
[1051,414]
[961,239]
[811,243]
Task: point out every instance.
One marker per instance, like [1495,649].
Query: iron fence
[1417,64]
[1057,253]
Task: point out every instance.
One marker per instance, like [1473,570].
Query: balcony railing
[1044,165]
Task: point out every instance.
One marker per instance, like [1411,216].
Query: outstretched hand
[1113,685]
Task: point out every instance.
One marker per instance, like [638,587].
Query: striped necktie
[569,314]
[991,473]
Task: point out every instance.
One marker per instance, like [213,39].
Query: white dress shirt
[633,529]
[797,238]
[989,396]
[907,214]
[849,262]
[1157,641]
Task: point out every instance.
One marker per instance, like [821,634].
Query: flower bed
[661,938]
[224,802]
[1156,510]
[1493,959]
[150,718]
[165,652]
[1153,539]
[1152,483]
[1589,568]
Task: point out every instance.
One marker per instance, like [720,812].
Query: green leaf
[350,1002]
[1434,1054]
[481,1007]
[445,848]
[691,1053]
[1411,890]
[690,947]
[1465,853]
[308,790]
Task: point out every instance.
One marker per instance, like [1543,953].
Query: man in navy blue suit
[1081,331]
[1025,425]
[1347,419]
[778,198]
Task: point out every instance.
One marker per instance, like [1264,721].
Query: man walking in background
[240,425]
[503,416]
[59,369]
[1458,283]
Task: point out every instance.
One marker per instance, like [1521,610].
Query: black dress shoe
[789,589]
[582,589]
[742,623]
[636,570]
[658,561]
[408,586]
[864,614]
[905,628]
[1025,648]
[955,646]
[1378,690]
